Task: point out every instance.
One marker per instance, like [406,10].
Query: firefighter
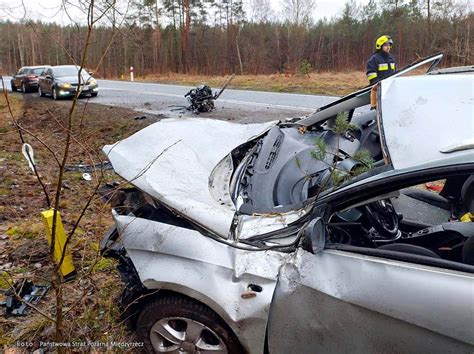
[381,64]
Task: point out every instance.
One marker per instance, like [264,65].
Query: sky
[49,10]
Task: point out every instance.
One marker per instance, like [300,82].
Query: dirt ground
[91,298]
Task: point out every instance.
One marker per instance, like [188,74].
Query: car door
[48,81]
[41,80]
[337,301]
[19,77]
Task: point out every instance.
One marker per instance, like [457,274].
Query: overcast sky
[49,10]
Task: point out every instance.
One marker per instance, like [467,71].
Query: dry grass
[91,300]
[319,83]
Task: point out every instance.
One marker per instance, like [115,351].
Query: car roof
[65,66]
[426,119]
[36,67]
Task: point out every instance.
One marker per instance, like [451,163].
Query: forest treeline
[218,37]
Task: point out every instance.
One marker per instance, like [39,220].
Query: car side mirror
[90,73]
[315,236]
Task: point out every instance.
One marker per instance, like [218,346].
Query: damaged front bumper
[133,290]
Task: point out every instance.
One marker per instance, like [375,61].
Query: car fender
[237,284]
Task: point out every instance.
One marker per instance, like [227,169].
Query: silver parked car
[319,235]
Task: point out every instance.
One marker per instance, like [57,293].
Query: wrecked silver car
[315,235]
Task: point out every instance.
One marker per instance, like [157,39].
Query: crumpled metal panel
[219,181]
[172,160]
[259,224]
[371,305]
[425,115]
[185,261]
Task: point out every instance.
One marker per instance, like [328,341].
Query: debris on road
[29,294]
[201,98]
[88,168]
[29,155]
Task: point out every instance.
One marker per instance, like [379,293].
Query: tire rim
[23,87]
[39,91]
[183,335]
[55,94]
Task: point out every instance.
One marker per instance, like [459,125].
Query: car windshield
[65,71]
[36,71]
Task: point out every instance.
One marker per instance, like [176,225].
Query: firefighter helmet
[382,40]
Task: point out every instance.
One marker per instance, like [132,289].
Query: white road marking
[233,90]
[309,109]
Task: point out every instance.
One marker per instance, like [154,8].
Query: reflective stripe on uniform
[392,66]
[371,76]
[383,67]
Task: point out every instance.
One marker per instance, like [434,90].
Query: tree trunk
[21,49]
[238,51]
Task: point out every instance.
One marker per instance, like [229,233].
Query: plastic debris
[29,294]
[29,154]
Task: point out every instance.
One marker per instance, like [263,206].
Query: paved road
[168,100]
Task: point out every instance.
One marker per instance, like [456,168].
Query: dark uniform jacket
[379,66]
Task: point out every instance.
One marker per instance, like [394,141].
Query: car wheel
[40,93]
[24,89]
[94,94]
[180,324]
[55,94]
[13,86]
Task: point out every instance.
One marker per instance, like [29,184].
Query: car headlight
[92,82]
[65,85]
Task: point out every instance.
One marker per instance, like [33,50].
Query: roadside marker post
[67,267]
[131,73]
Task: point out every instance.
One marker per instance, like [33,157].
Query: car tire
[13,86]
[24,88]
[169,315]
[55,93]
[94,94]
[40,92]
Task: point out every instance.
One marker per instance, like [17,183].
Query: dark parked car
[62,81]
[26,78]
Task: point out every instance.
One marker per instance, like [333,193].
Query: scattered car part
[29,154]
[201,99]
[29,294]
[89,167]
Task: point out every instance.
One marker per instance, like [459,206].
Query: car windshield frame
[362,97]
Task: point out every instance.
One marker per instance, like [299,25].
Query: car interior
[432,219]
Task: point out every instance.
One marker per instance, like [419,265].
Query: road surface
[168,100]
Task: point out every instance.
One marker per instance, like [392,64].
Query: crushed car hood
[173,159]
